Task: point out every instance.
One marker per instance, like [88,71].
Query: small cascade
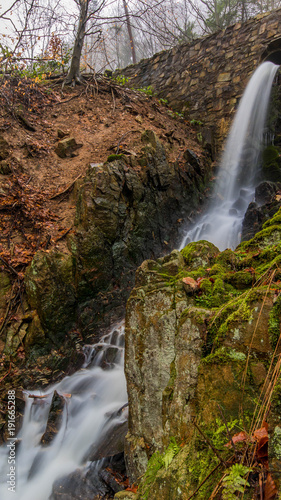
[238,172]
[93,397]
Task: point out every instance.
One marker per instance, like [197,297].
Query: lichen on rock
[201,355]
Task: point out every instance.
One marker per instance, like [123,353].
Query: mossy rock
[199,254]
[114,157]
[271,164]
[5,284]
[35,335]
[48,280]
[270,154]
[241,279]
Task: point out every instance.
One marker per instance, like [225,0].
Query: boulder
[66,147]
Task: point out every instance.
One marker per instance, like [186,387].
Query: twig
[204,481]
[67,100]
[63,235]
[9,371]
[123,137]
[210,444]
[8,266]
[66,189]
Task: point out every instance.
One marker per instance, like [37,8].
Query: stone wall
[206,78]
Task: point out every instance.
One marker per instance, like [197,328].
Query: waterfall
[93,396]
[238,171]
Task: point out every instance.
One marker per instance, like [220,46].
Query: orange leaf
[261,433]
[134,489]
[238,438]
[270,490]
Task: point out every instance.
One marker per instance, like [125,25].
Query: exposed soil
[37,211]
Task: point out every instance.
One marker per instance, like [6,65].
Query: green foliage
[178,115]
[146,90]
[175,114]
[156,462]
[235,482]
[199,137]
[170,453]
[196,122]
[121,80]
[163,101]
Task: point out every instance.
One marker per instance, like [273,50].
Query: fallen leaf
[270,490]
[238,438]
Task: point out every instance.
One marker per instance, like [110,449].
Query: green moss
[276,219]
[271,164]
[206,286]
[274,322]
[5,283]
[219,287]
[223,355]
[200,253]
[241,279]
[276,442]
[217,269]
[227,259]
[270,154]
[157,462]
[236,311]
[111,158]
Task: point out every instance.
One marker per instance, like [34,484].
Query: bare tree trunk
[129,28]
[74,70]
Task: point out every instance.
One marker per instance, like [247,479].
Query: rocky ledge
[202,351]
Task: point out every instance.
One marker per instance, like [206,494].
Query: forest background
[39,38]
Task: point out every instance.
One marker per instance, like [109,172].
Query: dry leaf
[270,490]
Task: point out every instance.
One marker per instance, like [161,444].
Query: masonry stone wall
[205,78]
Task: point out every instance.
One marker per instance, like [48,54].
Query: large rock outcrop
[128,209]
[202,327]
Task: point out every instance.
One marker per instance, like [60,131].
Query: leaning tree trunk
[130,33]
[74,70]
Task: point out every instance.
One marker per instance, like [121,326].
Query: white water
[95,393]
[221,224]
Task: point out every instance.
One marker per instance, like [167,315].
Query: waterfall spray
[239,167]
[93,396]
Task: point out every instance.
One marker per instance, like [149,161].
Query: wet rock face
[163,352]
[50,290]
[189,352]
[125,214]
[128,210]
[93,482]
[265,206]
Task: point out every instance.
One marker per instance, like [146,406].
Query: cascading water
[93,396]
[239,167]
